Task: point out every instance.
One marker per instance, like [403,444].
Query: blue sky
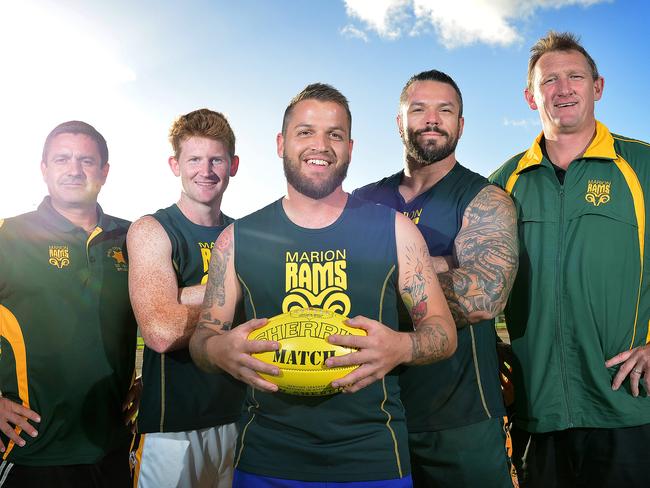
[130,68]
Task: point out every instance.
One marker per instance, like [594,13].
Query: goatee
[314,189]
[432,150]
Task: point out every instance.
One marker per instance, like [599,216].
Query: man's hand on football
[378,353]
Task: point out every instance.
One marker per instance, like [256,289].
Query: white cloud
[354,33]
[383,16]
[457,23]
[531,123]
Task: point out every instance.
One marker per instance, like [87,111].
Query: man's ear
[174,165]
[530,99]
[234,165]
[279,140]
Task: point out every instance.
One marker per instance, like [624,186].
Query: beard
[314,189]
[432,150]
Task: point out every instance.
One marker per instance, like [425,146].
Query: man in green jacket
[579,309]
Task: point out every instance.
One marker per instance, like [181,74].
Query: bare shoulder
[490,197]
[404,227]
[146,233]
[145,227]
[225,243]
[491,206]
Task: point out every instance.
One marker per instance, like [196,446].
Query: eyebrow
[446,103]
[311,126]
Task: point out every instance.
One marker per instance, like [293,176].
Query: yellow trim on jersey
[10,330]
[383,293]
[383,380]
[135,458]
[96,231]
[245,429]
[639,210]
[390,429]
[249,295]
[478,372]
[162,393]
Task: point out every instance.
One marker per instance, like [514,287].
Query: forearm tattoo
[486,250]
[430,343]
[417,276]
[215,291]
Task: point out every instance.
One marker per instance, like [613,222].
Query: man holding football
[290,440]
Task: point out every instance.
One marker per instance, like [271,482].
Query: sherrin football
[302,334]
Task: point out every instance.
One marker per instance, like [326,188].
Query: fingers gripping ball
[302,334]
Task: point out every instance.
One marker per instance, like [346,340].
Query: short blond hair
[558,41]
[202,123]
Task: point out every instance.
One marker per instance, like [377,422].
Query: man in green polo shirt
[66,325]
[579,308]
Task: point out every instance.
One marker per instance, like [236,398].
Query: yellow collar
[601,147]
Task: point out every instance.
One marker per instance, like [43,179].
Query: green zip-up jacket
[581,295]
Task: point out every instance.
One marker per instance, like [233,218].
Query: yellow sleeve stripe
[10,330]
[639,210]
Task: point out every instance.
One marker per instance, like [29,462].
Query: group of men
[424,273]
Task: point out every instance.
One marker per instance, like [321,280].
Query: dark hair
[322,93]
[78,127]
[432,75]
[558,41]
[202,123]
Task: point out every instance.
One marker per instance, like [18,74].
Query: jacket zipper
[559,308]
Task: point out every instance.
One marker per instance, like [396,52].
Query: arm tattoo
[486,250]
[207,322]
[430,343]
[417,276]
[215,291]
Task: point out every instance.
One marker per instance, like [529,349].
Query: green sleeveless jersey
[67,334]
[349,267]
[463,389]
[178,396]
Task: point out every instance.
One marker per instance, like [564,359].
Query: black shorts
[475,455]
[111,472]
[589,457]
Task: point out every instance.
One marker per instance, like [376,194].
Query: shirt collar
[58,221]
[601,147]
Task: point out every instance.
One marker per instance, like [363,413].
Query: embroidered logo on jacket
[59,256]
[597,192]
[118,258]
[316,279]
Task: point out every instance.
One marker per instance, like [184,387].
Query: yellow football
[302,334]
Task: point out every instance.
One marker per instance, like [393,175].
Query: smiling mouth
[567,104]
[317,162]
